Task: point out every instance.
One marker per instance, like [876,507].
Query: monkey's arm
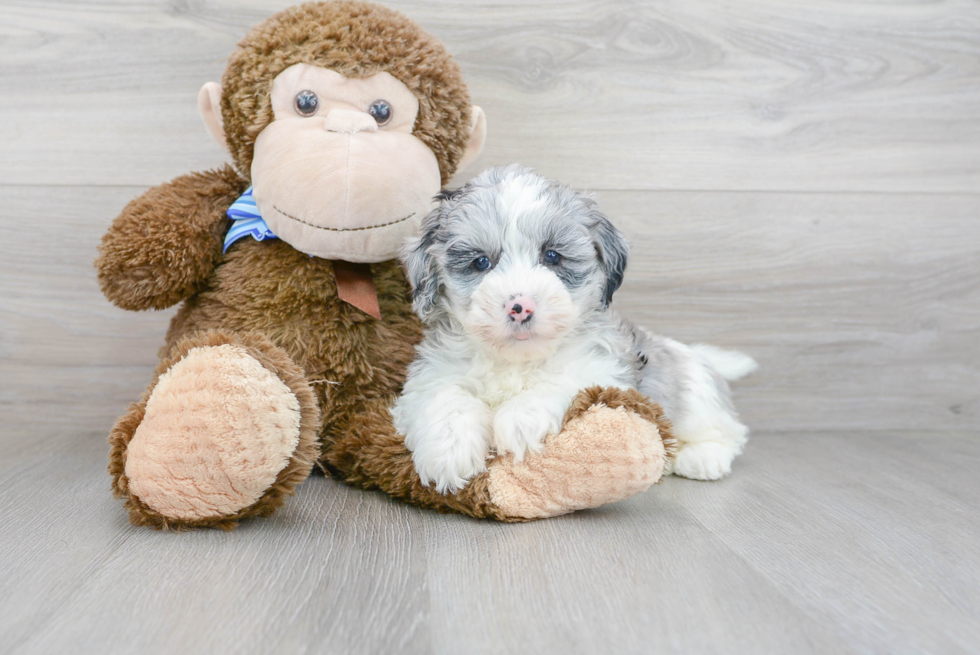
[163,246]
[613,444]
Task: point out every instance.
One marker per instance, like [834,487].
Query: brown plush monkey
[343,120]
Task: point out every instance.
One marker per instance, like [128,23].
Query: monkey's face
[338,173]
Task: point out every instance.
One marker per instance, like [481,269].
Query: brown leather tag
[355,286]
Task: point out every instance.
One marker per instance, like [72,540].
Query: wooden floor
[799,180]
[820,543]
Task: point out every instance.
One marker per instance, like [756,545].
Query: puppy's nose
[521,309]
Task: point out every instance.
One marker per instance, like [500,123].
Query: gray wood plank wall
[799,180]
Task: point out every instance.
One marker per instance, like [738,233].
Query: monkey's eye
[306,103]
[482,263]
[552,257]
[380,110]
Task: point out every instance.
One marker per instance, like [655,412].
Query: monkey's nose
[347,121]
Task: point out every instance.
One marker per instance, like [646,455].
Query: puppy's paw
[456,445]
[704,460]
[521,425]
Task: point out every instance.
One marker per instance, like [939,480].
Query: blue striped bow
[247,221]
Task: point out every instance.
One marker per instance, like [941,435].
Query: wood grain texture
[754,95]
[80,579]
[862,309]
[819,543]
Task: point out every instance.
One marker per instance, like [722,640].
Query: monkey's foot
[225,432]
[614,444]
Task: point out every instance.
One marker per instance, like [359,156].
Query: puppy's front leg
[522,423]
[448,431]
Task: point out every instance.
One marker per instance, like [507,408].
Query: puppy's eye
[552,257]
[306,103]
[380,110]
[482,263]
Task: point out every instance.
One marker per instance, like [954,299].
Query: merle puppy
[513,276]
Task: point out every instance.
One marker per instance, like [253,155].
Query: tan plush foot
[217,431]
[614,444]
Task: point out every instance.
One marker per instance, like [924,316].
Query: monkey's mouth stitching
[343,229]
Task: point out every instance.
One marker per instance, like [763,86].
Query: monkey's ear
[478,136]
[209,104]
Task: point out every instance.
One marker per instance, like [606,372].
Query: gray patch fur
[469,222]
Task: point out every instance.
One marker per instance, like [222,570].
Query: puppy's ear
[420,267]
[613,252]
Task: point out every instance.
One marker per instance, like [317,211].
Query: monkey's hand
[614,444]
[163,246]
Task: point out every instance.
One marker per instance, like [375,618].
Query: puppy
[513,276]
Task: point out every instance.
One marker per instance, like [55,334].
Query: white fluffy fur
[463,400]
[707,430]
[484,384]
[729,364]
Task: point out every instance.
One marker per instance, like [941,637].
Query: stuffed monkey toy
[343,120]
